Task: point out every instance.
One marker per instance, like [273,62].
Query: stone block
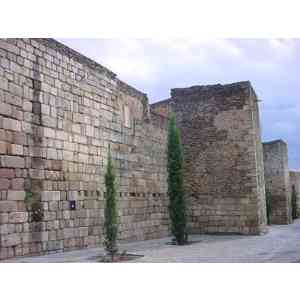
[49,122]
[17,217]
[48,132]
[62,135]
[19,138]
[17,184]
[3,84]
[15,89]
[15,149]
[68,233]
[53,205]
[3,147]
[12,162]
[51,153]
[45,109]
[72,195]
[10,240]
[68,155]
[7,173]
[15,195]
[3,229]
[5,109]
[51,196]
[3,218]
[27,106]
[4,184]
[11,124]
[83,231]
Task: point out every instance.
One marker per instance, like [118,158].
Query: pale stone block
[5,109]
[16,149]
[45,109]
[62,135]
[72,195]
[10,240]
[12,161]
[89,130]
[80,139]
[17,217]
[3,84]
[76,128]
[27,106]
[11,124]
[68,233]
[3,147]
[68,155]
[51,196]
[69,146]
[83,158]
[51,153]
[49,121]
[15,195]
[17,184]
[48,132]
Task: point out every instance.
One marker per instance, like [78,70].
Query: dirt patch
[120,257]
[172,243]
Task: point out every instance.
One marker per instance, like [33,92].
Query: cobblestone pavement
[281,244]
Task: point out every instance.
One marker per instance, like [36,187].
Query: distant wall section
[277,179]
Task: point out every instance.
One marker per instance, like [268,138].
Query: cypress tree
[110,213]
[175,184]
[269,208]
[294,203]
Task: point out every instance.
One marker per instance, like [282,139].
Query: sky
[154,66]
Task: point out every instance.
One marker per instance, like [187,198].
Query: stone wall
[223,167]
[278,181]
[58,112]
[295,182]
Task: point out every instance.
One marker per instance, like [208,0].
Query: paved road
[281,244]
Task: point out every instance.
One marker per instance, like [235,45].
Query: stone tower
[278,181]
[223,167]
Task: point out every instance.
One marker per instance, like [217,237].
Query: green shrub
[177,209]
[34,207]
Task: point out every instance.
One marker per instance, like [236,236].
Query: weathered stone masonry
[278,181]
[223,167]
[58,112]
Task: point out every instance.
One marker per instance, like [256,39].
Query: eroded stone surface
[278,181]
[223,166]
[59,111]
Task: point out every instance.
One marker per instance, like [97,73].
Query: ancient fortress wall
[278,181]
[59,111]
[223,167]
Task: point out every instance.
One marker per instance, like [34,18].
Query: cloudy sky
[155,66]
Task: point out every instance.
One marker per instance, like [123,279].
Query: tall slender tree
[294,203]
[111,213]
[177,208]
[269,207]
